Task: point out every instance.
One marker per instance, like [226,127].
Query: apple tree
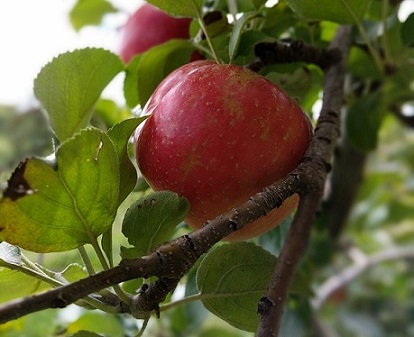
[251,108]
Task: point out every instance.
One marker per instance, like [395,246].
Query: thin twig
[352,272]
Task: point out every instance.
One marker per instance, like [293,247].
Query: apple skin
[148,27]
[217,135]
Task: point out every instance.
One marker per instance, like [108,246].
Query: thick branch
[318,158]
[292,51]
[172,260]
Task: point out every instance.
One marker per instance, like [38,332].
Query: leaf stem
[86,260]
[183,300]
[373,52]
[89,267]
[31,264]
[37,273]
[144,326]
[118,290]
[204,28]
[100,305]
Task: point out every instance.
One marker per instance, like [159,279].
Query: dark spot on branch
[328,167]
[324,139]
[59,302]
[190,243]
[264,305]
[161,257]
[143,288]
[233,225]
[306,159]
[333,113]
[154,294]
[324,121]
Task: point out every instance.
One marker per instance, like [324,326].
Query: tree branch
[317,164]
[292,51]
[172,260]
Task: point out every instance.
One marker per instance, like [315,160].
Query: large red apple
[217,135]
[149,27]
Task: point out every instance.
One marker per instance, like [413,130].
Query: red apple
[149,27]
[217,135]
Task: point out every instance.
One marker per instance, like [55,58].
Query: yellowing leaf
[59,207]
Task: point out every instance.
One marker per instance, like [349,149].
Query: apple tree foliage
[82,209]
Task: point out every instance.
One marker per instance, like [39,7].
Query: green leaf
[258,3]
[363,121]
[407,31]
[189,8]
[361,64]
[72,273]
[399,86]
[120,135]
[110,113]
[216,23]
[278,19]
[274,239]
[89,12]
[38,324]
[83,333]
[18,284]
[248,5]
[97,323]
[296,79]
[59,207]
[232,278]
[237,33]
[153,219]
[154,65]
[69,86]
[131,82]
[340,11]
[218,331]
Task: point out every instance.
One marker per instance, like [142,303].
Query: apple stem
[204,28]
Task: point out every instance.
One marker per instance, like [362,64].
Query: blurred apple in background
[149,27]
